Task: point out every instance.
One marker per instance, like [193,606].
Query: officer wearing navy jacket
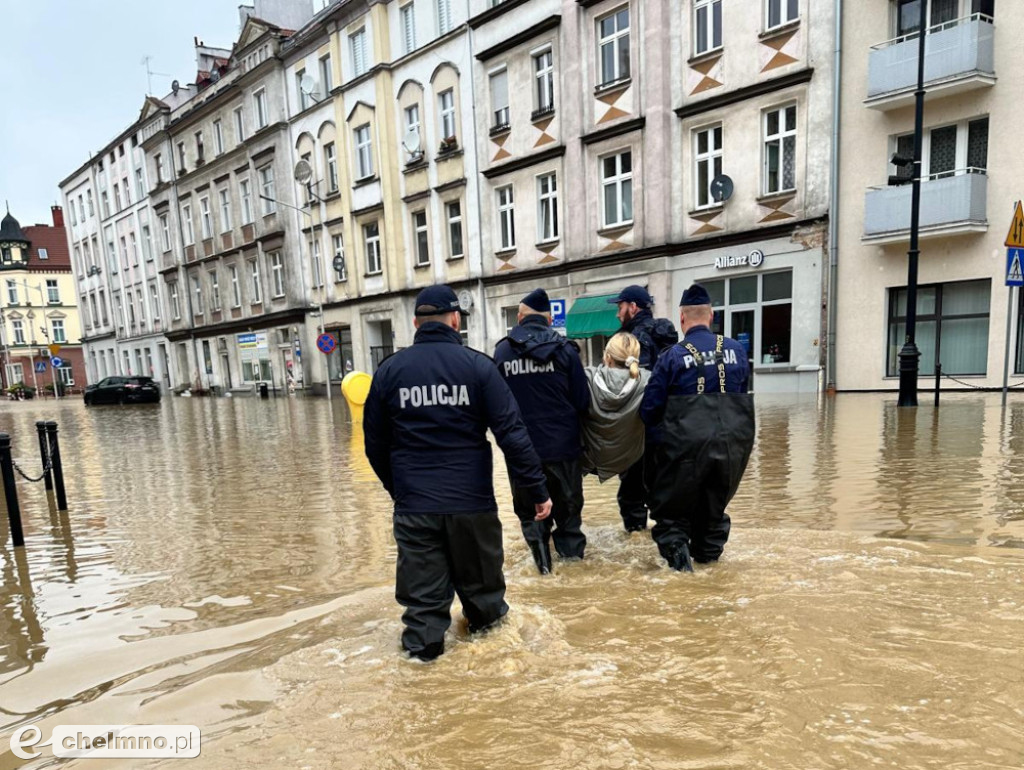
[655,335]
[544,372]
[697,399]
[425,423]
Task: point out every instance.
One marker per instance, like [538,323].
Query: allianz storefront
[770,296]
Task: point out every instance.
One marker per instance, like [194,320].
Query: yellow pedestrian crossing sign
[1014,272]
[1015,238]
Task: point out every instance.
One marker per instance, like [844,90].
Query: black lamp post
[910,356]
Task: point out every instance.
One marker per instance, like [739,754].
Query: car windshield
[140,380]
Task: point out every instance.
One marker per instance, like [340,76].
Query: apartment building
[967,198]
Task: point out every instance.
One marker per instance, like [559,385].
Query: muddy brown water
[229,564]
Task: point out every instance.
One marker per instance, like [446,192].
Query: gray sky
[72,78]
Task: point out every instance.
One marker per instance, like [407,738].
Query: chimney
[58,216]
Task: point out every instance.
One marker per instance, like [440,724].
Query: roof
[10,230]
[54,240]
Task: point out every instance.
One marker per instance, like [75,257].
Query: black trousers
[697,516]
[440,555]
[633,496]
[565,485]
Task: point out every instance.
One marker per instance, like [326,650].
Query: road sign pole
[1006,358]
[53,371]
[1014,278]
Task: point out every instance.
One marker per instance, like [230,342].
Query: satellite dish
[214,74]
[303,172]
[307,84]
[412,142]
[721,188]
[339,264]
[465,299]
[174,87]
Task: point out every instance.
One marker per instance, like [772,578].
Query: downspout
[479,199]
[833,206]
[182,270]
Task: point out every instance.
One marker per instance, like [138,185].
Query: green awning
[592,316]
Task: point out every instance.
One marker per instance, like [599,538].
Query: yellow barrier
[355,387]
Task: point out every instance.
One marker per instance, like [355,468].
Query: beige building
[966,198]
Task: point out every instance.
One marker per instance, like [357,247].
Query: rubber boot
[679,558]
[541,548]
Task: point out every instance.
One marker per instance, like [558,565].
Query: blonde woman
[613,435]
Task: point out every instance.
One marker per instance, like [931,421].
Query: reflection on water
[229,563]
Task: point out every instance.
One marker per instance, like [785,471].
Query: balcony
[950,204]
[958,57]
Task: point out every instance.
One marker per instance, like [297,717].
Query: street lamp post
[910,356]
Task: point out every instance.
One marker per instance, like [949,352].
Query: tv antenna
[149,74]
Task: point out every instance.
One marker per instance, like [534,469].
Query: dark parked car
[122,390]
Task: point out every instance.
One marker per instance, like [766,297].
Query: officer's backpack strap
[720,361]
[699,359]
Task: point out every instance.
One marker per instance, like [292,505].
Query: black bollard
[10,491]
[44,454]
[58,469]
[938,379]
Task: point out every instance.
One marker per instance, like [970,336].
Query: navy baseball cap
[695,295]
[537,300]
[436,300]
[637,294]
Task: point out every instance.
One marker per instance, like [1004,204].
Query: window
[18,328]
[447,103]
[407,13]
[243,188]
[947,150]
[71,211]
[111,253]
[105,201]
[338,263]
[65,375]
[952,327]
[412,126]
[267,194]
[158,163]
[131,310]
[364,152]
[44,254]
[142,309]
[95,312]
[371,242]
[88,200]
[236,289]
[81,208]
[757,310]
[421,238]
[58,330]
[200,147]
[357,44]
[165,233]
[117,198]
[186,217]
[12,292]
[214,290]
[197,287]
[225,210]
[544,78]
[707,158]
[181,156]
[124,251]
[277,274]
[547,207]
[707,26]
[79,267]
[617,188]
[499,100]
[506,218]
[908,14]
[326,76]
[172,290]
[239,126]
[140,186]
[52,291]
[781,12]
[103,306]
[205,220]
[304,98]
[331,162]
[444,16]
[154,299]
[127,191]
[135,248]
[613,46]
[147,243]
[257,288]
[259,104]
[218,137]
[318,264]
[454,213]
[780,149]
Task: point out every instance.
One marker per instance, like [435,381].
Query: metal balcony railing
[951,201]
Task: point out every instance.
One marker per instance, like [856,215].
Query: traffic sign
[558,313]
[56,363]
[326,343]
[1015,238]
[55,349]
[40,366]
[1014,269]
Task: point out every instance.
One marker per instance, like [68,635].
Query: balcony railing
[951,202]
[958,57]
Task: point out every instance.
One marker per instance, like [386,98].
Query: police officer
[698,398]
[544,372]
[425,422]
[655,335]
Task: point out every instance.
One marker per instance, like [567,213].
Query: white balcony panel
[954,204]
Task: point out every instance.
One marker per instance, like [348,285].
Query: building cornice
[494,12]
[278,317]
[612,131]
[521,163]
[748,92]
[550,23]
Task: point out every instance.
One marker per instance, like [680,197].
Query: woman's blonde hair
[623,352]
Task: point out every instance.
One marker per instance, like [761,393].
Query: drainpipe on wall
[479,198]
[182,271]
[833,206]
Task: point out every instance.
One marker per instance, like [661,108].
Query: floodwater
[228,563]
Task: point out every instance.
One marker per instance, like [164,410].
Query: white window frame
[186,217]
[614,41]
[214,290]
[444,17]
[259,103]
[147,243]
[154,297]
[254,281]
[619,181]
[236,288]
[371,246]
[245,193]
[331,161]
[158,162]
[12,292]
[18,330]
[225,209]
[52,291]
[420,238]
[357,47]
[172,292]
[197,286]
[505,199]
[455,221]
[57,330]
[707,19]
[304,99]
[140,185]
[267,191]
[135,247]
[778,140]
[239,126]
[788,11]
[446,111]
[165,233]
[364,151]
[547,207]
[218,137]
[277,274]
[501,116]
[407,15]
[326,76]
[710,159]
[338,244]
[544,79]
[205,218]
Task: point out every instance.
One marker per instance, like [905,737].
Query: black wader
[565,485]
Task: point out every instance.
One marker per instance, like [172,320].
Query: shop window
[756,310]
